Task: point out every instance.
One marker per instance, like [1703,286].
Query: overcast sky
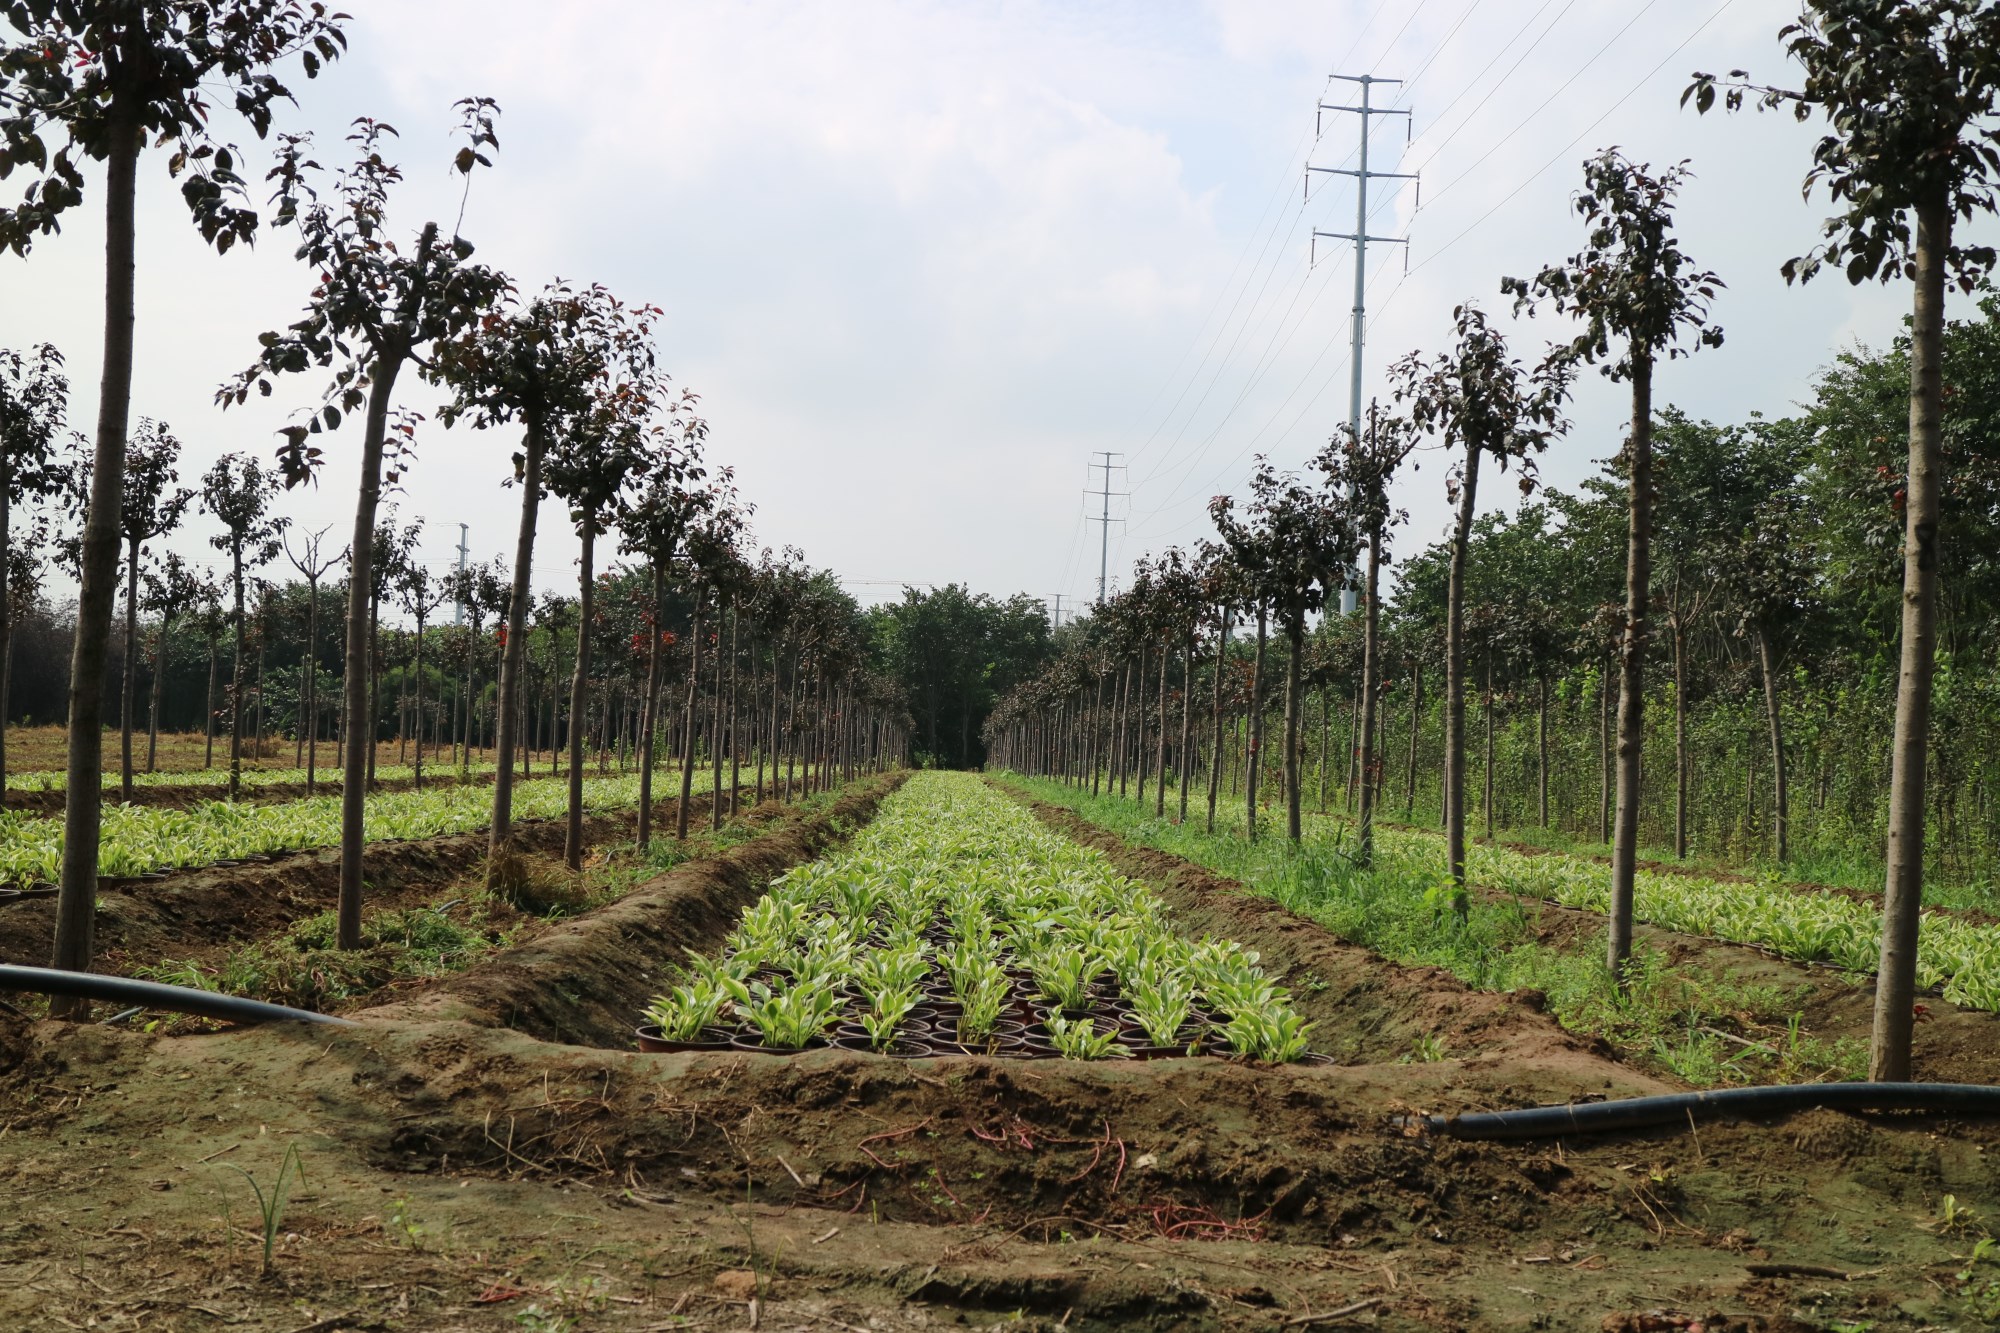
[923,260]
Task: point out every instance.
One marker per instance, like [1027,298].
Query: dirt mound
[1368,1010]
[586,980]
[196,909]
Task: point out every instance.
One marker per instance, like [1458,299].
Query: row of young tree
[1730,536]
[567,374]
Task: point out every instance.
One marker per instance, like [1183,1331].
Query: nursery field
[917,1051]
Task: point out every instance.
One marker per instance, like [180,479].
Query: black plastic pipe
[1682,1108]
[154,995]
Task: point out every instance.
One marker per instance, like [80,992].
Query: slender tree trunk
[159,694]
[208,708]
[1486,765]
[1781,808]
[715,733]
[1416,716]
[688,720]
[1679,638]
[1454,689]
[1364,851]
[417,668]
[1903,897]
[511,699]
[1632,668]
[129,676]
[735,714]
[649,712]
[312,688]
[1160,741]
[236,675]
[1351,768]
[1325,738]
[1295,634]
[1121,752]
[76,909]
[1253,759]
[1185,765]
[1542,749]
[579,702]
[1604,753]
[360,729]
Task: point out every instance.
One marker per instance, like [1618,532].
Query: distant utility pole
[1104,551]
[457,597]
[1362,175]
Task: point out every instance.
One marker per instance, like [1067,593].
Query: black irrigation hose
[1681,1108]
[154,995]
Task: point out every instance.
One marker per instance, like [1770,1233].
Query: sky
[925,261]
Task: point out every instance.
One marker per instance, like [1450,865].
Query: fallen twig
[1355,1308]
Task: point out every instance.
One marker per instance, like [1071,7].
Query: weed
[271,1206]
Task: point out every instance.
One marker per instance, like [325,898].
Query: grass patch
[1670,1016]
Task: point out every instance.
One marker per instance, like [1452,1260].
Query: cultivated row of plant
[141,839]
[956,918]
[1960,957]
[57,779]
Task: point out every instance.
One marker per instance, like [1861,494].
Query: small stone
[738,1284]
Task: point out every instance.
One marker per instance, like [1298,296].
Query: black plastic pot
[756,1046]
[652,1042]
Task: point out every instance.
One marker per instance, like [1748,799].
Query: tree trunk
[511,699]
[417,668]
[312,688]
[688,717]
[76,909]
[128,676]
[360,728]
[1486,764]
[1254,755]
[1889,1054]
[1416,716]
[208,708]
[1679,637]
[1184,766]
[236,675]
[1454,689]
[735,715]
[715,734]
[1364,851]
[1632,668]
[1295,633]
[1781,800]
[1160,741]
[579,683]
[649,711]
[159,695]
[1604,753]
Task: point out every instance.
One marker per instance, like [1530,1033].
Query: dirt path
[488,1154]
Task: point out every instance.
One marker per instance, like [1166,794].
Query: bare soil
[488,1153]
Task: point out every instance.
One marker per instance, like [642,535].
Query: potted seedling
[1083,1039]
[787,1021]
[683,1019]
[1160,1006]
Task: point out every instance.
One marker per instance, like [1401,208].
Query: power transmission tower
[1360,237]
[1104,551]
[1055,611]
[458,588]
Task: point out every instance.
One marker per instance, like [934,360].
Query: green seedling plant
[1080,1039]
[981,1004]
[1162,1006]
[685,1010]
[271,1206]
[788,1019]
